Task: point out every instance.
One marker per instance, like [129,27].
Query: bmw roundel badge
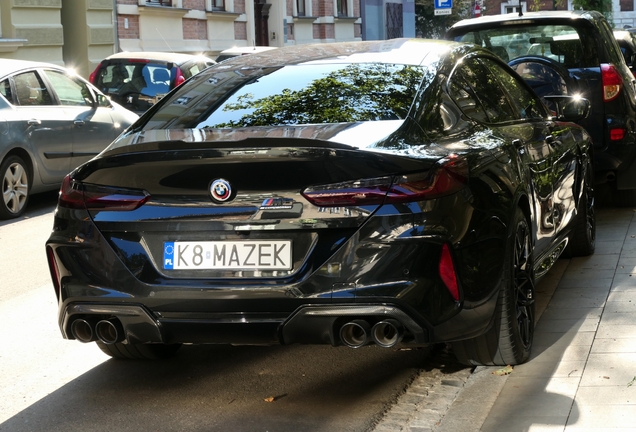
[220,190]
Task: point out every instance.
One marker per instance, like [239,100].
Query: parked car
[572,52]
[376,192]
[137,80]
[241,51]
[52,121]
[627,42]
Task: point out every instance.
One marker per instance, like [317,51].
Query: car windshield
[560,43]
[130,78]
[291,95]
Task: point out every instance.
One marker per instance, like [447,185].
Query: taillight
[612,82]
[92,197]
[617,134]
[447,272]
[446,177]
[179,78]
[93,76]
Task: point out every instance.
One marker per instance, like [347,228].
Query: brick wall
[194,29]
[356,8]
[132,32]
[194,4]
[239,6]
[324,31]
[321,8]
[240,30]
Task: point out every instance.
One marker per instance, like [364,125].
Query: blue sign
[443,4]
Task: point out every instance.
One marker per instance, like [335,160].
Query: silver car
[51,121]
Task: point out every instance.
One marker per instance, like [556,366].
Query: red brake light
[612,82]
[179,78]
[93,76]
[446,177]
[91,197]
[447,272]
[617,134]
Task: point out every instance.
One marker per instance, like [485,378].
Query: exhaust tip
[387,333]
[109,331]
[355,333]
[82,331]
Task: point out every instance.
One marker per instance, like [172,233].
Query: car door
[37,124]
[524,123]
[555,145]
[93,127]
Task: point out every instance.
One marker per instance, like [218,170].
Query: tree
[603,6]
[432,26]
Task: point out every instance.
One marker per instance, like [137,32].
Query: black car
[572,52]
[627,43]
[375,192]
[137,80]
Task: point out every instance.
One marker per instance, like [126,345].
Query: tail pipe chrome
[355,333]
[82,330]
[387,333]
[109,331]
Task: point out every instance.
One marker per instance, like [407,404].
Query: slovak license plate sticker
[228,255]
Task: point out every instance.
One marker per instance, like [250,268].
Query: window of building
[216,5]
[341,8]
[300,8]
[513,7]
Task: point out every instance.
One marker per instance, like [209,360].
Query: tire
[509,340]
[139,351]
[582,239]
[15,187]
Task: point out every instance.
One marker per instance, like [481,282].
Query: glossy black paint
[614,159]
[357,261]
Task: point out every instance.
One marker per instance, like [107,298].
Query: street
[51,384]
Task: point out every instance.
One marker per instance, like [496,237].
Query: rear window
[292,95]
[561,43]
[121,78]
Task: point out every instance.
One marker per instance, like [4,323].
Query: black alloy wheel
[582,239]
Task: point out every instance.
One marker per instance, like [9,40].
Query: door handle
[79,123]
[34,122]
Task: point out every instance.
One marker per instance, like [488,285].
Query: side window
[525,104]
[465,99]
[30,90]
[5,90]
[72,92]
[479,94]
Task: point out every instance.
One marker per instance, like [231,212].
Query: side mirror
[570,108]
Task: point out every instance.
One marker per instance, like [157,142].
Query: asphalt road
[50,384]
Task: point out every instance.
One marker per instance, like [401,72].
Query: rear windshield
[561,43]
[291,95]
[122,79]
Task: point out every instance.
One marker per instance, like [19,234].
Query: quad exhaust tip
[357,333]
[82,331]
[108,331]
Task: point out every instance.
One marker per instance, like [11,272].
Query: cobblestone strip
[425,402]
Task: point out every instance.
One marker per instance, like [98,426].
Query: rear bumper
[309,324]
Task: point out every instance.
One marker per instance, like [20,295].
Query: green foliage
[428,25]
[603,6]
[355,93]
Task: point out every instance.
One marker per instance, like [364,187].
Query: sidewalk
[582,373]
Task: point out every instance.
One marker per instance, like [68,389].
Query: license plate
[228,255]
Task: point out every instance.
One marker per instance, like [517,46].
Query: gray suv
[572,52]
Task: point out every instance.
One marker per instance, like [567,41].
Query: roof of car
[8,66]
[156,55]
[526,18]
[399,51]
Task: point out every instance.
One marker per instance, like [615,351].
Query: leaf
[503,371]
[270,399]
